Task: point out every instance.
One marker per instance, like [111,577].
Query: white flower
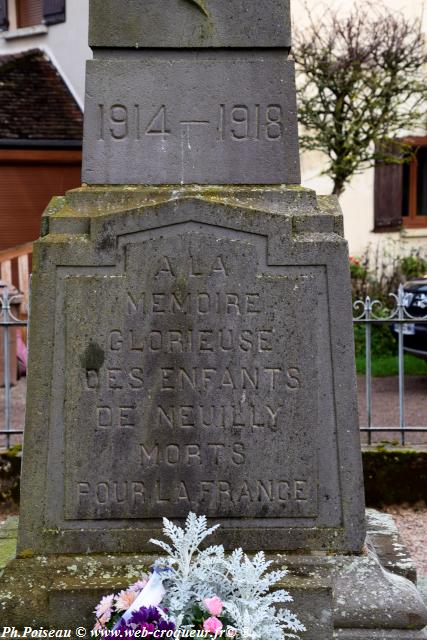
[104,609]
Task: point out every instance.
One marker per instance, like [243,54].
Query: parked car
[415,301]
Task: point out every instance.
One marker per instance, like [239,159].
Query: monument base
[370,596]
[188,327]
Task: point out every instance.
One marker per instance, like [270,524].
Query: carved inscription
[237,122]
[204,397]
[180,131]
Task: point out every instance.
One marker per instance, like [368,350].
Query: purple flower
[166,625]
[122,631]
[146,614]
[149,618]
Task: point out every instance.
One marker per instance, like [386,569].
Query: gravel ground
[385,409]
[412,524]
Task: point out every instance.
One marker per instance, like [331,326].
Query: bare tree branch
[361,83]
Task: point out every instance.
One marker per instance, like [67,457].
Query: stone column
[190,92]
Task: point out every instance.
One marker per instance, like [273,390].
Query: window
[4,15]
[401,191]
[18,14]
[414,188]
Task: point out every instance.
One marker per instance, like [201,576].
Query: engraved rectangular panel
[206,121]
[191,385]
[189,23]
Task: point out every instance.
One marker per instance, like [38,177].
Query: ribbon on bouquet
[151,595]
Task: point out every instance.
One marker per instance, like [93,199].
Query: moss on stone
[13,452]
[7,551]
[394,476]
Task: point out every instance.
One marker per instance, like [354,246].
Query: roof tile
[35,102]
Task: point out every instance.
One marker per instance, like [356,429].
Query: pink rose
[212,625]
[214,605]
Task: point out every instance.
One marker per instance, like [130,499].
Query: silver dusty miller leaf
[246,586]
[202,6]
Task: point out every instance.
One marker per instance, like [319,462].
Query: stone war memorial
[191,336]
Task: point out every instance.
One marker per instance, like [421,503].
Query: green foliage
[380,270]
[413,266]
[198,615]
[10,469]
[377,274]
[387,365]
[361,81]
[358,270]
[13,451]
[383,342]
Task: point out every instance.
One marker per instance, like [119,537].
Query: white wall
[66,44]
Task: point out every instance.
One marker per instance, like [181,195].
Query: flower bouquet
[200,592]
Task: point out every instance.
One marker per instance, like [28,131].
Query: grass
[383,366]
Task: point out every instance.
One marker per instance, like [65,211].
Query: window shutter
[29,14]
[54,11]
[388,195]
[4,22]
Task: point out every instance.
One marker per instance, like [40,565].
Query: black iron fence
[372,313]
[9,322]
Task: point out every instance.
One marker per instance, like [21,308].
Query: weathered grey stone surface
[348,597]
[216,119]
[186,358]
[185,24]
[370,597]
[389,546]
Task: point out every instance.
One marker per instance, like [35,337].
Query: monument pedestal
[152,307]
[192,350]
[336,596]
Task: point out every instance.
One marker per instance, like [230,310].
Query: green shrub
[382,340]
[413,266]
[377,274]
[380,271]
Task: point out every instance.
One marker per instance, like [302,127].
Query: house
[43,48]
[40,142]
[385,205]
[58,27]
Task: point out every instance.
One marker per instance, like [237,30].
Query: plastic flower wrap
[191,588]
